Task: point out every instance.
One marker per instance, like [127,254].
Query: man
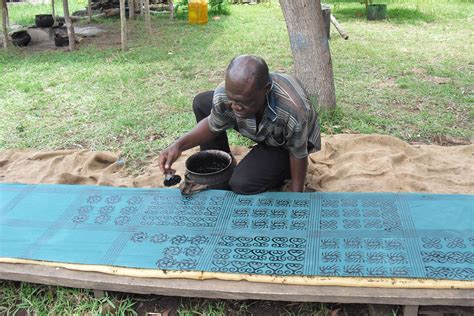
[271,109]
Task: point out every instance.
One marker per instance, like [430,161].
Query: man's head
[247,83]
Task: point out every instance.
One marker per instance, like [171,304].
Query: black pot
[376,12]
[213,168]
[44,20]
[61,40]
[21,38]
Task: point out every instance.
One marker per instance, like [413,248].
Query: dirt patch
[387,83]
[102,36]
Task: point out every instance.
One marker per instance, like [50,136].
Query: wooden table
[241,290]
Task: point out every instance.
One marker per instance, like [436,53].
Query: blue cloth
[281,233]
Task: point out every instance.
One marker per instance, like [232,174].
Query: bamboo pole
[131,9]
[4,23]
[123,25]
[89,11]
[69,26]
[147,16]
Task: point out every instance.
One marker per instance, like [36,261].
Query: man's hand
[200,134]
[168,157]
[298,167]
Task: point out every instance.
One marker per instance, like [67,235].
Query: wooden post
[131,9]
[147,16]
[4,23]
[69,26]
[339,28]
[89,11]
[123,25]
[141,7]
[7,15]
[170,2]
[53,11]
[410,310]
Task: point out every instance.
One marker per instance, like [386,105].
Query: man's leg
[202,105]
[265,167]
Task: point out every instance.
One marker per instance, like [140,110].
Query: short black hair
[260,73]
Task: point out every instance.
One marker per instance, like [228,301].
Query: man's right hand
[200,134]
[168,157]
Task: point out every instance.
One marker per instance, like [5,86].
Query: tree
[310,47]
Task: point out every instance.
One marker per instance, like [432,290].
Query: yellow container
[197,12]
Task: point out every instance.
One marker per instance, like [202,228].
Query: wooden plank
[240,290]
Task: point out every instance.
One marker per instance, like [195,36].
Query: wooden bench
[241,290]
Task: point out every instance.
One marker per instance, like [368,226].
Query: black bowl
[44,20]
[21,38]
[61,40]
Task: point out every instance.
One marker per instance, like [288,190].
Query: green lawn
[410,76]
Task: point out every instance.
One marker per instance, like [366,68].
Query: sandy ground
[346,163]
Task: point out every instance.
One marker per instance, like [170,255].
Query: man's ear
[268,86]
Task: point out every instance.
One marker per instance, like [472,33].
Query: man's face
[245,99]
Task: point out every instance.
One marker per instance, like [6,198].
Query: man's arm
[200,134]
[298,168]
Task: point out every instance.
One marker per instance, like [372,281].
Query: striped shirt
[289,119]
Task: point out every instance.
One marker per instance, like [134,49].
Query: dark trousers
[263,168]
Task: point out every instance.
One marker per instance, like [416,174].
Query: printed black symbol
[282,203]
[354,256]
[102,219]
[159,238]
[331,256]
[455,242]
[351,223]
[332,224]
[332,243]
[139,237]
[122,220]
[265,202]
[113,199]
[96,198]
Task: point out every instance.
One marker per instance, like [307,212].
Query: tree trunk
[131,9]
[69,26]
[123,25]
[310,47]
[147,16]
[4,23]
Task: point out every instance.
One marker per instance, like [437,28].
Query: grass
[18,298]
[410,76]
[387,78]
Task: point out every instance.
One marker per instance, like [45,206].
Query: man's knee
[202,103]
[242,185]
